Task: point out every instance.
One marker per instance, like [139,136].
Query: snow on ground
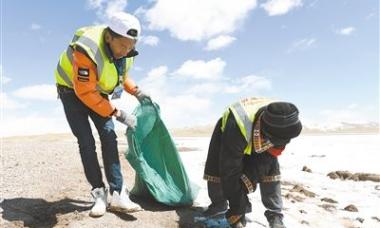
[322,154]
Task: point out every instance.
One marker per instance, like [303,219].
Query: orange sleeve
[129,85]
[85,81]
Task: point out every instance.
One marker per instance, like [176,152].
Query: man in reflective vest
[95,65]
[243,153]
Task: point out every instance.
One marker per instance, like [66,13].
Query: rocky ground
[43,185]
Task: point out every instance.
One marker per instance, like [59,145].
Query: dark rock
[346,175]
[377,187]
[351,208]
[328,200]
[305,222]
[306,169]
[369,176]
[328,207]
[300,189]
[375,218]
[302,211]
[294,198]
[287,183]
[333,175]
[354,177]
[361,220]
[318,156]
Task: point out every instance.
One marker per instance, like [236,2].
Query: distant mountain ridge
[342,128]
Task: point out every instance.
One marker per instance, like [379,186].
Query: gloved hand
[127,119]
[142,97]
[237,221]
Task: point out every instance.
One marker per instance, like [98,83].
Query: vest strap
[64,76]
[69,54]
[245,119]
[95,51]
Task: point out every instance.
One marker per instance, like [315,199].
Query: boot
[100,205]
[219,203]
[121,202]
[276,222]
[215,209]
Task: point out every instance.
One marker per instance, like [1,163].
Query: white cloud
[241,85]
[185,104]
[94,4]
[280,7]
[8,103]
[197,19]
[302,44]
[35,27]
[105,9]
[313,4]
[37,92]
[205,88]
[155,82]
[178,108]
[33,124]
[115,6]
[199,69]
[346,31]
[186,110]
[150,40]
[3,79]
[370,15]
[353,106]
[248,84]
[219,42]
[158,73]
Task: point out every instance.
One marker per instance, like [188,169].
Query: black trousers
[77,115]
[262,169]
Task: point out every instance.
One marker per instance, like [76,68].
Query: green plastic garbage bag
[154,156]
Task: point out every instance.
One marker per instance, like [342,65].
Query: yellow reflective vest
[244,112]
[92,41]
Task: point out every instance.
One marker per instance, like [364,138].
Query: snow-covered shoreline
[322,154]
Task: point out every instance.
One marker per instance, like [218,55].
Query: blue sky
[197,57]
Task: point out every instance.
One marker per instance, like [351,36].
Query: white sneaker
[121,202]
[100,205]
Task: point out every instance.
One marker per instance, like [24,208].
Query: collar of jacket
[260,144]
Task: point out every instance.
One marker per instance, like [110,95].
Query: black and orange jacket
[86,89]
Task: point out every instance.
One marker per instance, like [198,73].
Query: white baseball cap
[125,24]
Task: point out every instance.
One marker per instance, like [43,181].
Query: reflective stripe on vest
[244,112]
[62,76]
[85,41]
[61,72]
[91,40]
